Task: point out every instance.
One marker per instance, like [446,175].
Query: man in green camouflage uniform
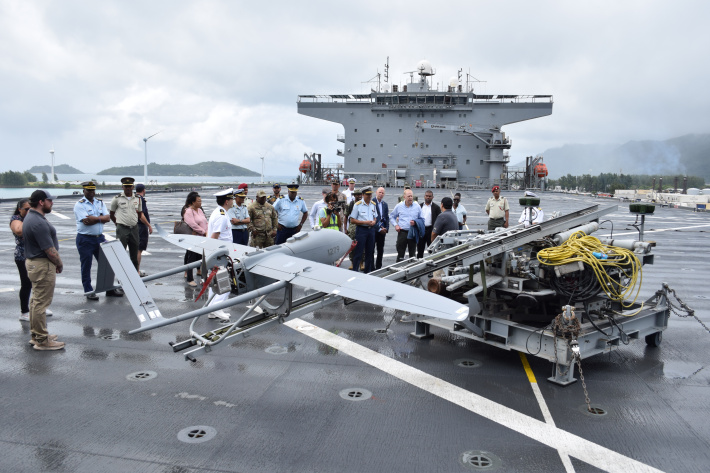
[264,221]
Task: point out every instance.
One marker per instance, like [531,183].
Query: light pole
[51,152]
[145,167]
[262,169]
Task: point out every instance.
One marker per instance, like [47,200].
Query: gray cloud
[220,79]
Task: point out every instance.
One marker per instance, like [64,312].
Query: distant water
[18,193]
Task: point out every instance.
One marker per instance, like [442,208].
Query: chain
[683,310]
[584,385]
[569,332]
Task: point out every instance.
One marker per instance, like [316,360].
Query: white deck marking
[108,237]
[569,468]
[62,216]
[7,289]
[547,434]
[665,229]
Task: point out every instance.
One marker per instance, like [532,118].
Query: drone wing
[199,243]
[359,286]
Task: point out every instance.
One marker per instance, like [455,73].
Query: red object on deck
[305,166]
[540,170]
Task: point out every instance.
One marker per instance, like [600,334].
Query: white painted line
[569,468]
[146,253]
[7,289]
[665,229]
[62,216]
[547,434]
[108,237]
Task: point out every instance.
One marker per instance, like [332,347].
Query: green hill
[684,155]
[59,169]
[207,168]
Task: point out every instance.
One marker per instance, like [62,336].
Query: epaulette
[98,199]
[221,211]
[358,202]
[82,201]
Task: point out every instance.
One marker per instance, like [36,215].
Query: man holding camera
[329,216]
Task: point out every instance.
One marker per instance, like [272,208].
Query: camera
[339,205]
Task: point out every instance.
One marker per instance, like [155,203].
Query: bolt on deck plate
[596,410]
[467,363]
[384,331]
[355,394]
[84,311]
[197,434]
[277,350]
[111,337]
[480,460]
[142,376]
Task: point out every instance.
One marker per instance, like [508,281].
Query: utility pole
[51,152]
[145,167]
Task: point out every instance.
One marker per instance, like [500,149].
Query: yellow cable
[579,247]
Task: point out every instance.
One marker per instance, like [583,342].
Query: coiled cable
[617,271]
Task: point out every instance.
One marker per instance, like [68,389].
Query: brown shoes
[48,344]
[50,337]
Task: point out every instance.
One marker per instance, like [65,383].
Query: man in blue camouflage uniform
[292,213]
[364,215]
[91,214]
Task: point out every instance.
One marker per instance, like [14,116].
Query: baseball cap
[261,193]
[39,195]
[140,187]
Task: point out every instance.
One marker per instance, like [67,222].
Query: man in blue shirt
[91,214]
[239,218]
[402,217]
[364,215]
[292,213]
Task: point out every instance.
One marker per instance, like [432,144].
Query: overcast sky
[220,79]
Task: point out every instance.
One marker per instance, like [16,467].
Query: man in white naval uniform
[220,228]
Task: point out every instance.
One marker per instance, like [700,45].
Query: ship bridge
[385,143]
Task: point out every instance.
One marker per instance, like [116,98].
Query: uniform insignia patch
[221,211]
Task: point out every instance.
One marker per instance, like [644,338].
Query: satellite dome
[454,81]
[424,68]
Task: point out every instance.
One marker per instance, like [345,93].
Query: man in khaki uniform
[498,210]
[125,211]
[263,221]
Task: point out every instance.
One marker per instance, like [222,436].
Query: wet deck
[283,400]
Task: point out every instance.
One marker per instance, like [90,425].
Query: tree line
[16,178]
[610,183]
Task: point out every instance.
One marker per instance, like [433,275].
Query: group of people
[37,248]
[268,220]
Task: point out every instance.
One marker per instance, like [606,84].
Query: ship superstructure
[440,138]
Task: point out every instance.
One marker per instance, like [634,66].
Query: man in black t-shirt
[43,264]
[446,220]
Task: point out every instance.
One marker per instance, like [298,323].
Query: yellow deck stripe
[528,370]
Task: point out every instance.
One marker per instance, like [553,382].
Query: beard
[47,207]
